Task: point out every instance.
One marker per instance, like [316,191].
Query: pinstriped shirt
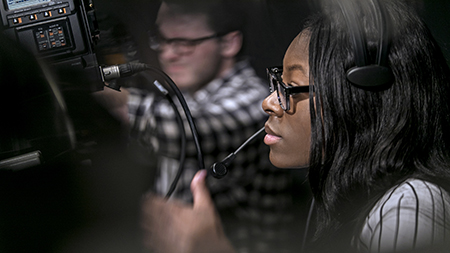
[413,215]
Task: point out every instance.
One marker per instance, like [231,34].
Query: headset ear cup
[370,76]
[364,74]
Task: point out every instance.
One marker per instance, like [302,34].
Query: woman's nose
[271,105]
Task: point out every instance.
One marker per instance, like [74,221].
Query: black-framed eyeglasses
[179,45]
[283,90]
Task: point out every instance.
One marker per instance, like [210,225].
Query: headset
[366,74]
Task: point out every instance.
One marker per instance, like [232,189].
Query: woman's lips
[271,138]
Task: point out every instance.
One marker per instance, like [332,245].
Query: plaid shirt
[226,112]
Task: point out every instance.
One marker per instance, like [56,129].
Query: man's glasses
[283,91]
[179,45]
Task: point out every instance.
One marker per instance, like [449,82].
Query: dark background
[272,24]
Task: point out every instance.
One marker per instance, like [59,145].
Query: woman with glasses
[378,156]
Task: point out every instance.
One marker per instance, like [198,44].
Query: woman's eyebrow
[296,67]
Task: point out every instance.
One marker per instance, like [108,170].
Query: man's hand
[171,226]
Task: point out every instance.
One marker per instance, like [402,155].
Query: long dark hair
[366,141]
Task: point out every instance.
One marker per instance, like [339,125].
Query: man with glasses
[199,45]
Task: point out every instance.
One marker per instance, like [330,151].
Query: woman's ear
[231,44]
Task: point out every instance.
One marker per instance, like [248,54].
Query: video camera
[61,32]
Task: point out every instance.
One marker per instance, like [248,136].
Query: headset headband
[365,74]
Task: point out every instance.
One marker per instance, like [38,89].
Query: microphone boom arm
[219,169]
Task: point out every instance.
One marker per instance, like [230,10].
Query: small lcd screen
[17,4]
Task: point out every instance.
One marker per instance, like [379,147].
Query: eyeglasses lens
[281,94]
[158,43]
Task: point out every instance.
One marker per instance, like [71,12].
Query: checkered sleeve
[142,121]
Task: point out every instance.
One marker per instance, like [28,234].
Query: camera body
[63,33]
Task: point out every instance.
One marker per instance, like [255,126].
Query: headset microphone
[219,169]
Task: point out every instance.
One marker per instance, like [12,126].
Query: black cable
[180,124]
[187,112]
[182,150]
[128,69]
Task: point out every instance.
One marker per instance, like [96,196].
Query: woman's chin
[286,162]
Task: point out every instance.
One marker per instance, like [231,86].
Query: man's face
[203,63]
